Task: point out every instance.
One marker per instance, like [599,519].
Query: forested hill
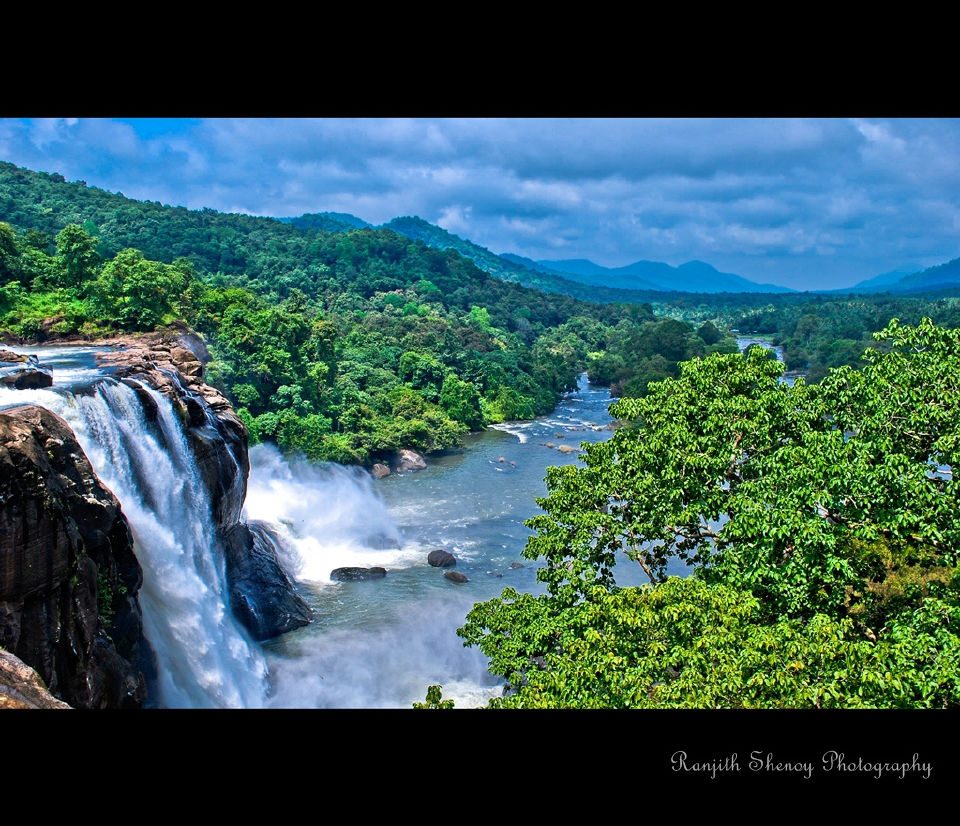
[265,250]
[345,345]
[507,270]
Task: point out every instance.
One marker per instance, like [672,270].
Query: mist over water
[327,516]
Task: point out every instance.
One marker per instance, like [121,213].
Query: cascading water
[327,516]
[204,658]
[372,644]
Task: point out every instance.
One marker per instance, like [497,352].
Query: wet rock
[262,596]
[30,377]
[68,574]
[568,449]
[455,576]
[441,559]
[356,574]
[378,471]
[551,445]
[501,460]
[517,565]
[10,357]
[408,460]
[147,402]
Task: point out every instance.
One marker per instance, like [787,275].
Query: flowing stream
[373,644]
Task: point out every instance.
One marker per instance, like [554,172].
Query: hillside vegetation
[343,345]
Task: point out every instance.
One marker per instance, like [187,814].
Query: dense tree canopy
[820,521]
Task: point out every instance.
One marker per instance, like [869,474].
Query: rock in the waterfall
[455,576]
[378,471]
[149,404]
[408,460]
[217,437]
[68,574]
[262,596]
[357,574]
[441,559]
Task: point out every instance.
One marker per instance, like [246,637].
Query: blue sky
[807,203]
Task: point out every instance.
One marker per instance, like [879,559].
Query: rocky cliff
[68,574]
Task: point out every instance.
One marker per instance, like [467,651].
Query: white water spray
[329,515]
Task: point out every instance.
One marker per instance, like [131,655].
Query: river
[380,643]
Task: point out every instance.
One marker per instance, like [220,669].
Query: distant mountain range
[694,276]
[933,278]
[579,278]
[640,281]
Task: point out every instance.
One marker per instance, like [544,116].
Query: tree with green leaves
[821,523]
[77,259]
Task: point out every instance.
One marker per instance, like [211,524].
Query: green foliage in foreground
[819,521]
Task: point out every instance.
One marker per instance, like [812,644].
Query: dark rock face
[441,559]
[261,594]
[217,437]
[455,576]
[68,574]
[357,574]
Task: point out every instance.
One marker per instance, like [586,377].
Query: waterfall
[326,516]
[204,658]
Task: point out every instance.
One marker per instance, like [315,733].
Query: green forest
[818,519]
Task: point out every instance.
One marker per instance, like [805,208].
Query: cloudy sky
[804,203]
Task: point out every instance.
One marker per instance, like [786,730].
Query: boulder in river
[378,471]
[408,460]
[455,576]
[357,574]
[23,372]
[567,449]
[262,595]
[441,559]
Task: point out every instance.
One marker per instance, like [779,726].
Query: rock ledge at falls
[262,596]
[68,575]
